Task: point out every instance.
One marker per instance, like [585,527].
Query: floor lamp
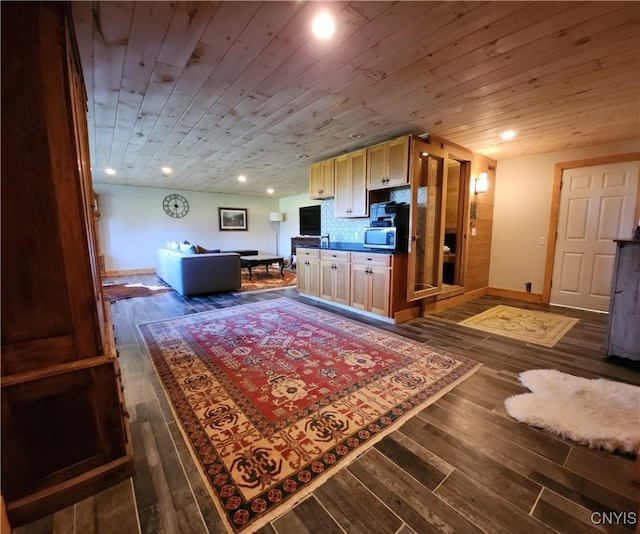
[277,217]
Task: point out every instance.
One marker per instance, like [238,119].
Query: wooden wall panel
[479,245]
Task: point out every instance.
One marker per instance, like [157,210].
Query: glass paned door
[427,220]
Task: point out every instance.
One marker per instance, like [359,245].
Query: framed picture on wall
[232,218]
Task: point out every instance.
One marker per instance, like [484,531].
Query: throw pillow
[173,245]
[187,248]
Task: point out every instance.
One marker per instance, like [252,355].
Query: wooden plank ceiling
[218,89]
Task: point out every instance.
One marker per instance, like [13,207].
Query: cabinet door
[315,181]
[335,276]
[342,275]
[377,166]
[398,162]
[380,284]
[322,179]
[351,185]
[358,174]
[328,171]
[308,277]
[343,187]
[388,163]
[309,271]
[359,286]
[327,278]
[371,282]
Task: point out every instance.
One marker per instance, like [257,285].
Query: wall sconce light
[482,183]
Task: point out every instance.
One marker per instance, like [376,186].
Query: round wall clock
[175,205]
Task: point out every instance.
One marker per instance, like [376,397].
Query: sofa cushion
[188,248]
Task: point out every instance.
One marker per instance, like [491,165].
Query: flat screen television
[310,220]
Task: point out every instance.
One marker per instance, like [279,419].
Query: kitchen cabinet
[623,335]
[351,185]
[388,163]
[64,427]
[335,275]
[367,282]
[371,282]
[308,268]
[322,179]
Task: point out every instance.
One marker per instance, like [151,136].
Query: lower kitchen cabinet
[335,276]
[371,282]
[308,267]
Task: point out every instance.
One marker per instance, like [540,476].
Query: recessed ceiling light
[356,135]
[242,178]
[323,25]
[301,156]
[110,171]
[270,190]
[166,170]
[508,134]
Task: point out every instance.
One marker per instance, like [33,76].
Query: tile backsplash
[352,230]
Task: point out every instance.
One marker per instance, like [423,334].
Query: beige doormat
[538,327]
[598,413]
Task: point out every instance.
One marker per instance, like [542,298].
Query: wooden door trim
[555,207]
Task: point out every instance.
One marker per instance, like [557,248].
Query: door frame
[555,207]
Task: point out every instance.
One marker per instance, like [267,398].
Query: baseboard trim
[129,272]
[517,295]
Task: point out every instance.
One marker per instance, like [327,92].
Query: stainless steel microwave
[381,237]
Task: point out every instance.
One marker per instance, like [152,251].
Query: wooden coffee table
[261,259]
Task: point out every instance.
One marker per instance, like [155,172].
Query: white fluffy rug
[595,412]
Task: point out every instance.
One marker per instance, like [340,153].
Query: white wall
[521,213]
[133,224]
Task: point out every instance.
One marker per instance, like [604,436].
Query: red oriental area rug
[276,396]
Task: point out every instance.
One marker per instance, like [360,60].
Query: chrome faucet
[327,237]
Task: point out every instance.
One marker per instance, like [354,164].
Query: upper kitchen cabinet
[351,185]
[388,163]
[322,179]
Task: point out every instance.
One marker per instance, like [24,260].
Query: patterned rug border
[345,460]
[558,331]
[273,275]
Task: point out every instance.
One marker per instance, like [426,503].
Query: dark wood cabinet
[304,241]
[64,434]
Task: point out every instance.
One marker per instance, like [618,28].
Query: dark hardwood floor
[460,465]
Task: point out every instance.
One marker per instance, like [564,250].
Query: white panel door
[596,206]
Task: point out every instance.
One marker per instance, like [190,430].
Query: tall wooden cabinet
[64,435]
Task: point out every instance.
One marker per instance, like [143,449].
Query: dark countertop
[352,247]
